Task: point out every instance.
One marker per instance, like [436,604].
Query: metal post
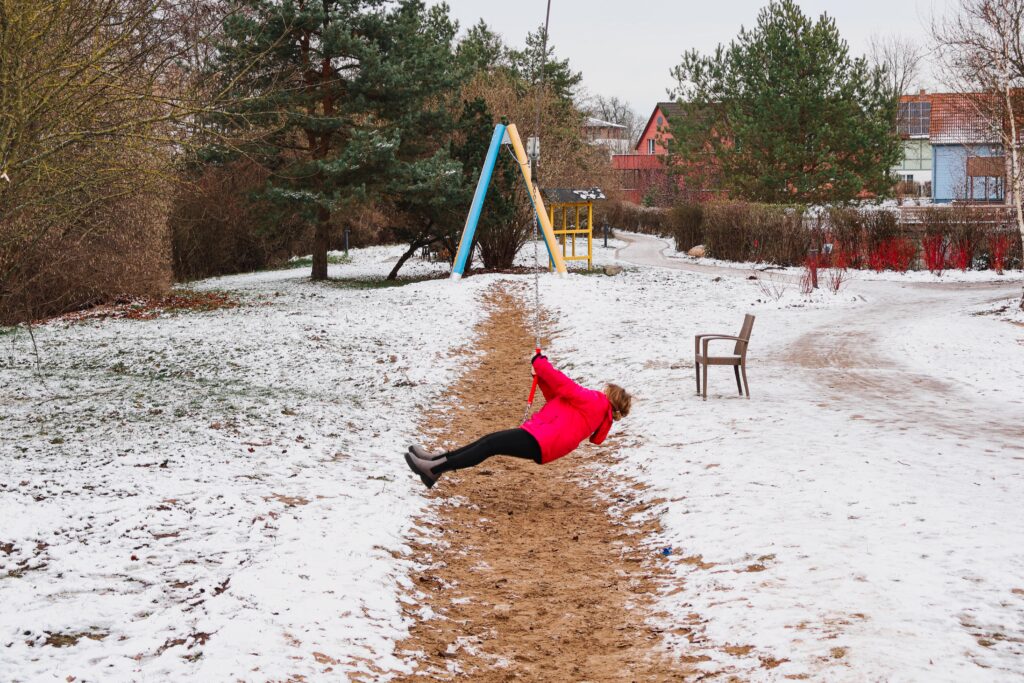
[812,263]
[551,218]
[590,235]
[346,240]
[606,234]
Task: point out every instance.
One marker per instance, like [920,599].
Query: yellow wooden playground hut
[575,208]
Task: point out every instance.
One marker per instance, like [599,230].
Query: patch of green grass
[378,282]
[4,331]
[597,270]
[307,262]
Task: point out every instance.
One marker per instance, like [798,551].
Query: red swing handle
[533,389]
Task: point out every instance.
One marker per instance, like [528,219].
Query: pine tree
[558,75]
[339,98]
[784,114]
[481,49]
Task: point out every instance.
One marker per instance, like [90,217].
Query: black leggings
[518,443]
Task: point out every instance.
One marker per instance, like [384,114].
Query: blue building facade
[951,179]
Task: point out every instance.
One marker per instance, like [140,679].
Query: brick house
[644,171]
[613,137]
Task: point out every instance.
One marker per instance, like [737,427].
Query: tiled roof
[957,119]
[670,108]
[598,123]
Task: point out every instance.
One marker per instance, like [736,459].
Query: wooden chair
[738,358]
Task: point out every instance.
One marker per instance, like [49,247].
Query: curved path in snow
[908,354]
[644,250]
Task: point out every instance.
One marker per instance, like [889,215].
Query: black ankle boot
[421,467]
[422,453]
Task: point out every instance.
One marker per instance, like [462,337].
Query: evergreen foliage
[559,77]
[343,101]
[785,114]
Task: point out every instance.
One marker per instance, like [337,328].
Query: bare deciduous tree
[901,58]
[97,99]
[615,110]
[982,50]
[88,91]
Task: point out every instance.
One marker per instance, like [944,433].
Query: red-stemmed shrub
[934,251]
[835,278]
[961,253]
[896,253]
[999,246]
[840,258]
[876,259]
[809,276]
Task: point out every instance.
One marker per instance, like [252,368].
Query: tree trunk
[393,275]
[1016,173]
[321,240]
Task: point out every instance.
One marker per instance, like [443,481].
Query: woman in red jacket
[571,413]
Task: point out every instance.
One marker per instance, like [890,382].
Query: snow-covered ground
[220,496]
[859,518]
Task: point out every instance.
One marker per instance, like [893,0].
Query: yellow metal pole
[575,228]
[538,201]
[551,217]
[565,227]
[590,235]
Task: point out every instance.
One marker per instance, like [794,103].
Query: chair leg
[696,372]
[705,381]
[743,369]
[736,371]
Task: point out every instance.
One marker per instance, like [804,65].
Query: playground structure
[568,203]
[506,134]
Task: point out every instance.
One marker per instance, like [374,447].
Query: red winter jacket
[570,415]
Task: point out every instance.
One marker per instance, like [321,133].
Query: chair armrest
[707,339]
[696,342]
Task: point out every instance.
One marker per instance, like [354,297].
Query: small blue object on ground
[666,551]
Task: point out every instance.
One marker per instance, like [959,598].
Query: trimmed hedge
[935,238]
[633,218]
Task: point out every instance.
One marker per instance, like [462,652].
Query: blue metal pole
[477,207]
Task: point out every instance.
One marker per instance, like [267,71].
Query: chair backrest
[744,335]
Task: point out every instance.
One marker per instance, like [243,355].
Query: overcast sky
[626,48]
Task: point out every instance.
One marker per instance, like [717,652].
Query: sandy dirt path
[530,575]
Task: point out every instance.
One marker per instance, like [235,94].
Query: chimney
[923,92]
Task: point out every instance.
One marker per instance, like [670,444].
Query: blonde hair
[620,399]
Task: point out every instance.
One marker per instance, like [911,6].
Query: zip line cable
[535,159]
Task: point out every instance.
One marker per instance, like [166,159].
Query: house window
[650,146]
[661,121]
[914,119]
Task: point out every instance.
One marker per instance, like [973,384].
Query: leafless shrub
[218,226]
[772,289]
[85,105]
[633,218]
